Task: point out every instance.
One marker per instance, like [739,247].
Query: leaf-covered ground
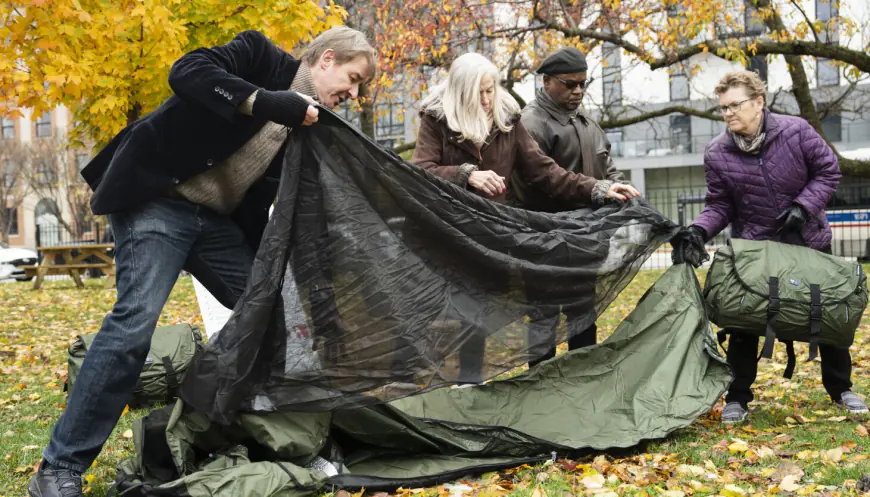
[797,442]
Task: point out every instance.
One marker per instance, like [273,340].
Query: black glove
[283,107]
[792,220]
[688,246]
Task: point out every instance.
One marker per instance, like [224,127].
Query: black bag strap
[171,379]
[772,312]
[792,360]
[815,319]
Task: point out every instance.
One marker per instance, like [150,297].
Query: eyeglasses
[732,107]
[571,84]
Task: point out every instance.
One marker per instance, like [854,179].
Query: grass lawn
[798,443]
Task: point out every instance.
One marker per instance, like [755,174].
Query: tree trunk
[134,113]
[367,112]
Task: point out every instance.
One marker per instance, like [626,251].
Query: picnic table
[74,262]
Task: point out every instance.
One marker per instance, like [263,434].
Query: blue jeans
[153,243]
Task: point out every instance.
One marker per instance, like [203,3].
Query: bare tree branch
[645,116]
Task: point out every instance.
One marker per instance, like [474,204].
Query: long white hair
[457,99]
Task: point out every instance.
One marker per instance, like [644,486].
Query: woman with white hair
[470,134]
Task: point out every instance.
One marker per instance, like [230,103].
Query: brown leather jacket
[440,151]
[573,140]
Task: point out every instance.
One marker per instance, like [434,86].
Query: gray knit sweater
[223,187]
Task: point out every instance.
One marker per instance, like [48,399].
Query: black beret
[566,60]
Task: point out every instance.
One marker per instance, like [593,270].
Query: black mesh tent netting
[376,280]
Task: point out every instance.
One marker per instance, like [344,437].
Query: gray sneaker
[733,413]
[852,403]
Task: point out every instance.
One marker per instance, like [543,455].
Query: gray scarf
[751,144]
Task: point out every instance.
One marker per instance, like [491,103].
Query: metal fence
[50,235]
[848,213]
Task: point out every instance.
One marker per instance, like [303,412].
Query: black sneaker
[55,482]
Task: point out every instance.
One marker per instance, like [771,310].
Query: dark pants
[153,243]
[576,340]
[743,353]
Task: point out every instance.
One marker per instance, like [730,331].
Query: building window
[758,65]
[389,121]
[43,125]
[612,74]
[753,24]
[45,172]
[832,127]
[10,174]
[615,139]
[827,71]
[681,134]
[12,220]
[8,129]
[348,114]
[679,83]
[82,160]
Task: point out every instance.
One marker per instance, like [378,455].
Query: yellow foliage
[104,58]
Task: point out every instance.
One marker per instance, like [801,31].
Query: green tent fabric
[657,373]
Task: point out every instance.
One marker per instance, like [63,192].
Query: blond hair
[458,99]
[347,44]
[748,80]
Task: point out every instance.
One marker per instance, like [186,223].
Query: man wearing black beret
[556,121]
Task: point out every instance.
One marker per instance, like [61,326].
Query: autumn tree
[408,36]
[14,186]
[108,60]
[676,36]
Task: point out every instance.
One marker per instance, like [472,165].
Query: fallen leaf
[861,431]
[806,454]
[697,486]
[789,484]
[836,419]
[790,420]
[832,456]
[342,493]
[738,446]
[688,469]
[732,491]
[673,493]
[783,438]
[128,434]
[787,468]
[593,481]
[538,492]
[764,452]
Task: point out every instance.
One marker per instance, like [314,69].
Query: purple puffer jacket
[750,191]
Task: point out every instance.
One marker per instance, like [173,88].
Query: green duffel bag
[173,350]
[785,292]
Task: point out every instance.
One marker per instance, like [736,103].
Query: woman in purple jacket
[769,176]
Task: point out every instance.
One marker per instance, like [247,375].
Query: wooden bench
[73,265]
